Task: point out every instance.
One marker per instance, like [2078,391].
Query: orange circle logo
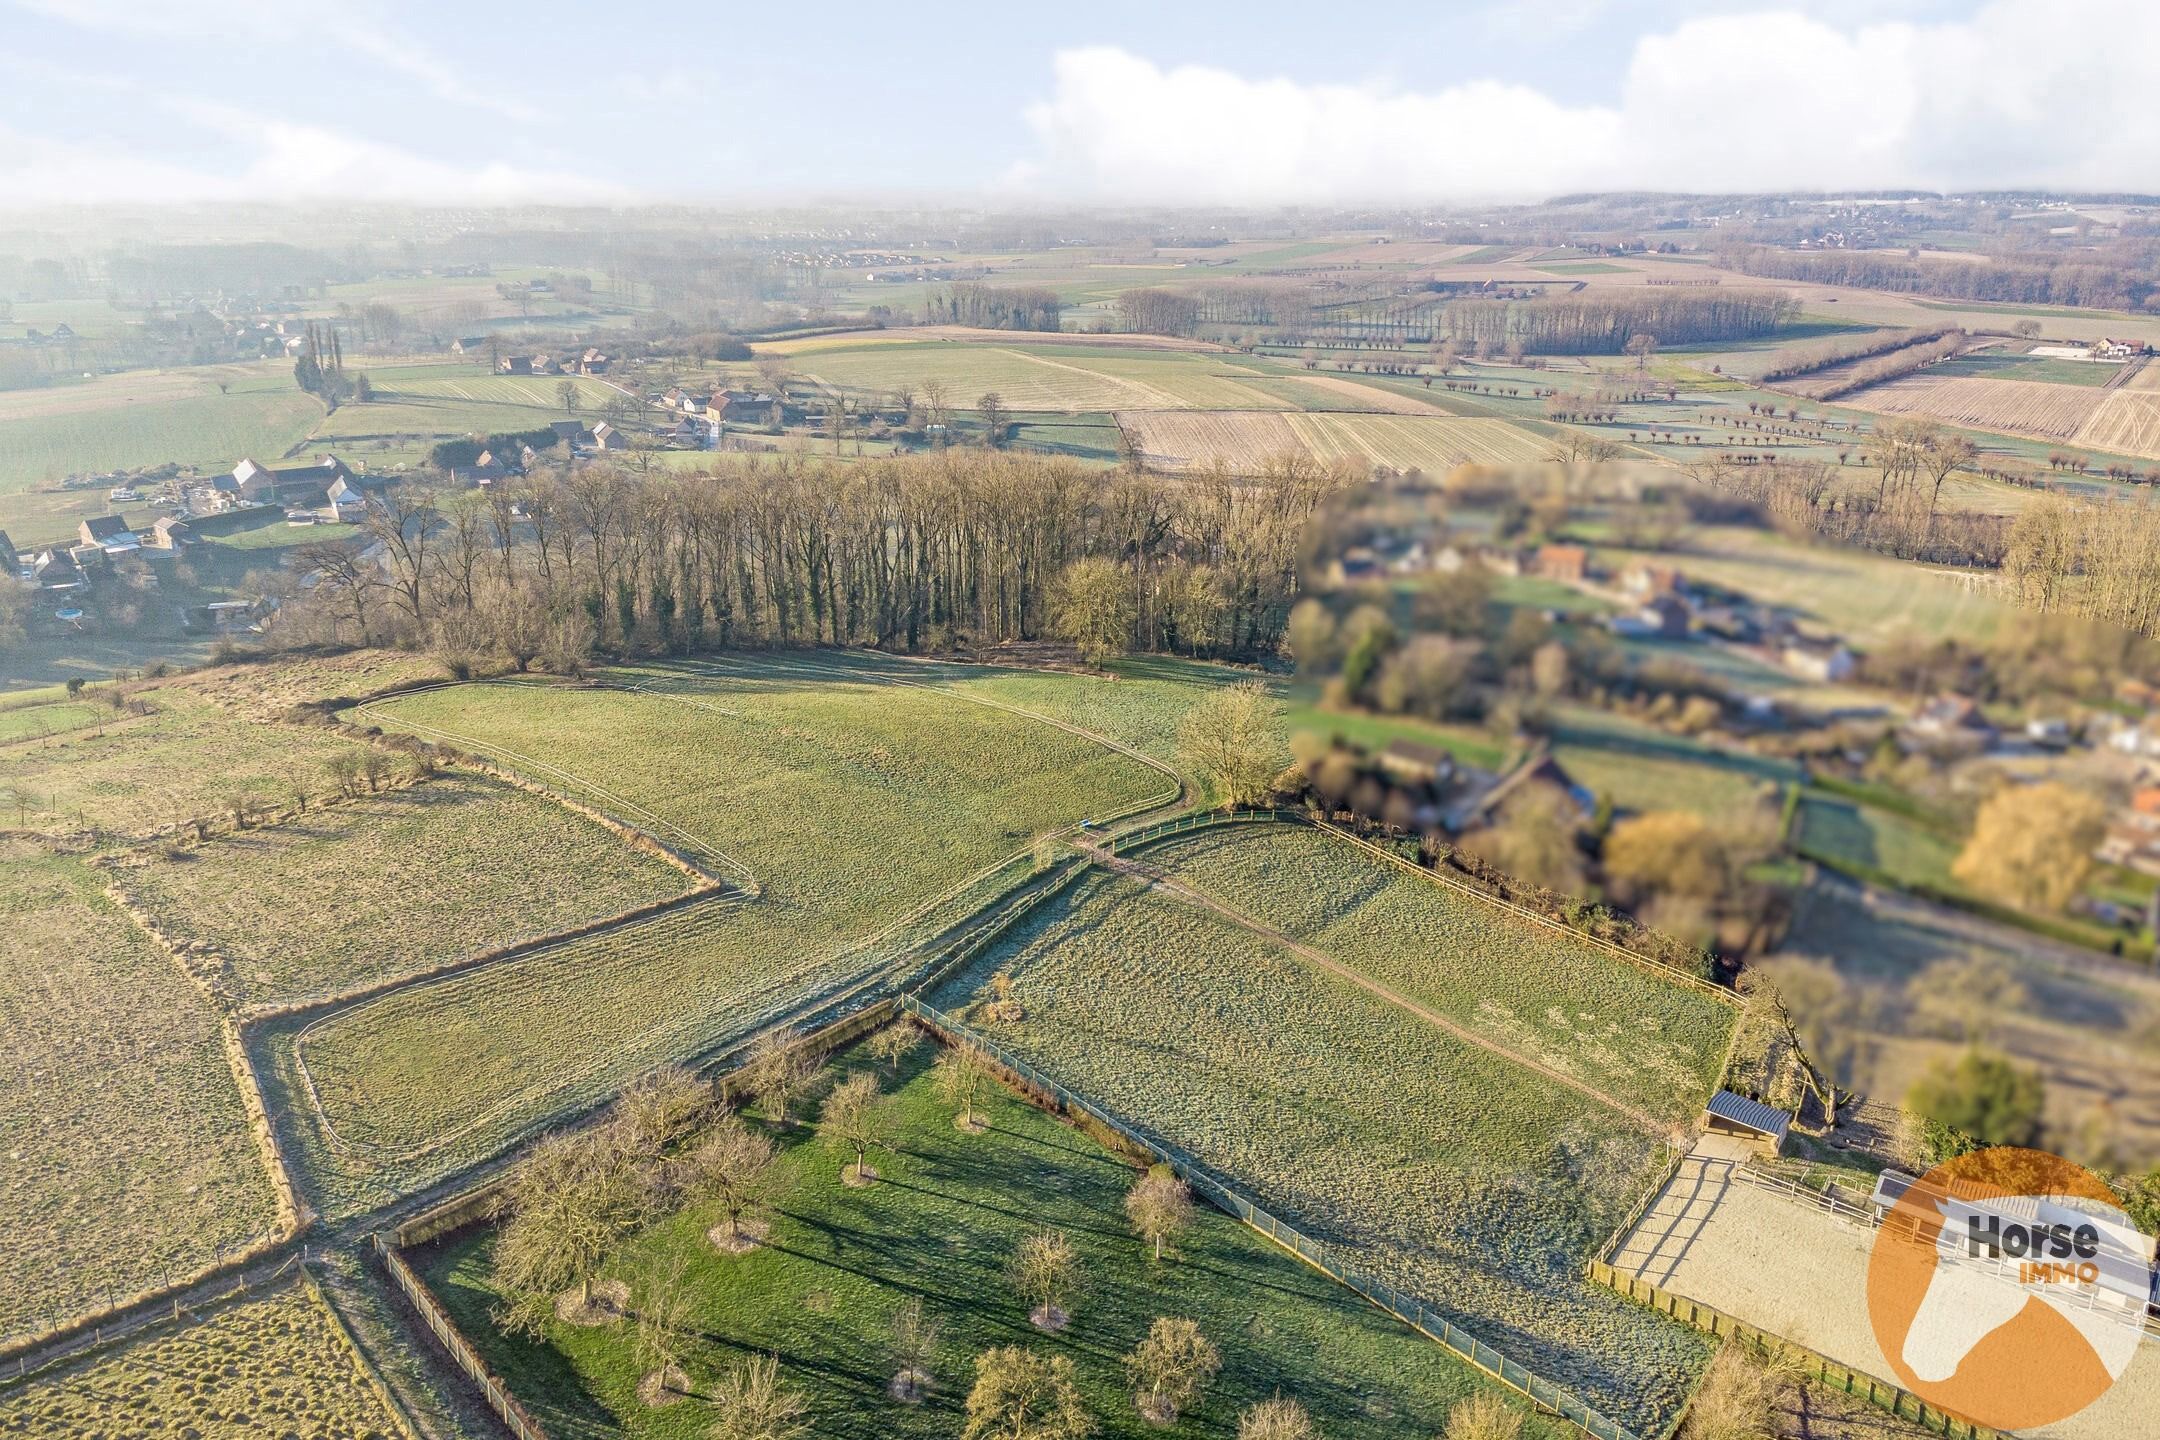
[2008,1287]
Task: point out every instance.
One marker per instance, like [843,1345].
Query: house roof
[1749,1114]
[105,527]
[1412,753]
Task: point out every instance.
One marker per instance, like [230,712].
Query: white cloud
[287,161]
[2024,92]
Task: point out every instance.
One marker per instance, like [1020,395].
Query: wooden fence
[1895,1399]
[1548,1397]
[498,1396]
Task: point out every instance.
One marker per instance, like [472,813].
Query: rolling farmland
[855,804]
[2018,407]
[277,1364]
[949,1209]
[129,1159]
[1053,377]
[2128,421]
[1246,441]
[387,884]
[1463,1178]
[1546,996]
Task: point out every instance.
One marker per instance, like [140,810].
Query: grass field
[947,1212]
[1551,998]
[1466,1178]
[1864,597]
[387,884]
[129,1163]
[272,1365]
[1640,767]
[132,420]
[855,803]
[424,403]
[2006,365]
[1054,377]
[51,716]
[140,772]
[1245,440]
[1835,828]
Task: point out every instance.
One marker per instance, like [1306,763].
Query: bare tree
[571,1203]
[961,1070]
[1170,1368]
[779,1073]
[753,1403]
[913,1338]
[1160,1207]
[894,1043]
[1045,1273]
[731,1168]
[856,1119]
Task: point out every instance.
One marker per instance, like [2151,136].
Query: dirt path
[1161,880]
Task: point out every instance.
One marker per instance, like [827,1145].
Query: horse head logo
[2007,1287]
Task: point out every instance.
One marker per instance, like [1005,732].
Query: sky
[950,101]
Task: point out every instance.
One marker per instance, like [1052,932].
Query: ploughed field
[939,1225]
[388,884]
[1246,441]
[275,1365]
[855,814]
[128,1159]
[1445,1163]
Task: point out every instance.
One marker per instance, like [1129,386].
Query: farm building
[1751,1120]
[1949,723]
[109,533]
[1417,764]
[303,486]
[515,365]
[1569,564]
[1824,661]
[172,533]
[468,345]
[594,362]
[1649,581]
[606,437]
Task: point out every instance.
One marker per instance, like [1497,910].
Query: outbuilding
[1730,1114]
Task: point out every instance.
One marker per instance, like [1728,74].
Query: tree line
[916,553]
[2023,279]
[995,307]
[1603,324]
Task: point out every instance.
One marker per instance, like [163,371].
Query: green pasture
[1465,1179]
[938,1226]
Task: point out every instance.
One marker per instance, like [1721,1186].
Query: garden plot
[857,808]
[1647,1041]
[1431,1163]
[275,1365]
[940,1224]
[385,885]
[128,1159]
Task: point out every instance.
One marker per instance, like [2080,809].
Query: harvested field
[854,802]
[1247,441]
[1465,1179]
[1054,377]
[384,885]
[2128,420]
[925,334]
[2015,407]
[1548,997]
[947,1212]
[273,1365]
[129,1159]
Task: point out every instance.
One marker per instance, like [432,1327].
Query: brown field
[1246,440]
[2014,407]
[923,334]
[2128,420]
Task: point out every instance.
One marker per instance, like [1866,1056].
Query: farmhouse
[1949,723]
[1569,564]
[606,437]
[1764,1126]
[1826,662]
[1416,764]
[109,533]
[515,365]
[172,533]
[293,486]
[594,362]
[740,407]
[1648,581]
[468,345]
